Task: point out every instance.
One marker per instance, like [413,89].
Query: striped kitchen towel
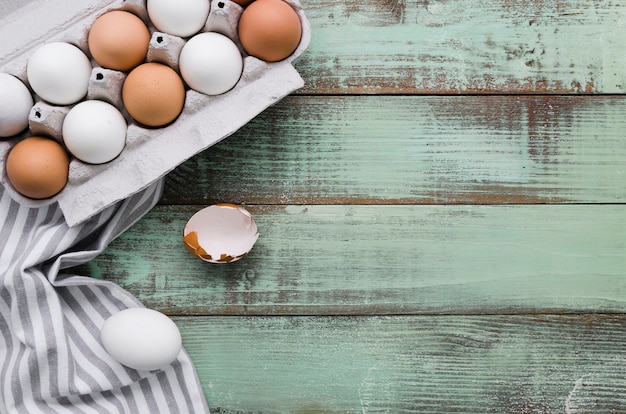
[51,357]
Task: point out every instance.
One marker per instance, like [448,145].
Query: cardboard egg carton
[150,153]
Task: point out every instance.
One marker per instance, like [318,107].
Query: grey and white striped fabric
[51,358]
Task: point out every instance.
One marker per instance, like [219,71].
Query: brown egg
[38,167]
[119,40]
[153,94]
[269,30]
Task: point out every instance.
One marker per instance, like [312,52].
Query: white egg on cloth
[141,338]
[221,233]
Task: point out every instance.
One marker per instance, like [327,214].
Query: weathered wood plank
[447,364]
[416,150]
[465,46]
[384,260]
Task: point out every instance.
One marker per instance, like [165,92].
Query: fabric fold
[51,357]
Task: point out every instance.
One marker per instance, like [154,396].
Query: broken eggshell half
[221,233]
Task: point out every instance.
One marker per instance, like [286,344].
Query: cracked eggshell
[221,233]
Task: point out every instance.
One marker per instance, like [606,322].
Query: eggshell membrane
[141,338]
[153,94]
[221,233]
[38,167]
[15,105]
[269,30]
[119,40]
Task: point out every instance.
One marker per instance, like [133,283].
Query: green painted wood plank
[416,150]
[461,46]
[384,260]
[447,364]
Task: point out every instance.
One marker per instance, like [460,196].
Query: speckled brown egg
[153,94]
[269,30]
[118,40]
[38,167]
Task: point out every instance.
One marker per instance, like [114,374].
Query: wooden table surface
[442,219]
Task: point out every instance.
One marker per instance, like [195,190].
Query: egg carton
[150,153]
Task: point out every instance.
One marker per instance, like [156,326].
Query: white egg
[141,338]
[15,105]
[94,131]
[181,18]
[221,233]
[59,73]
[210,63]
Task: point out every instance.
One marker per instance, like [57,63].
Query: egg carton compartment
[149,153]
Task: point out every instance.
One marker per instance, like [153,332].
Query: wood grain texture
[352,260]
[464,46]
[442,219]
[446,364]
[416,150]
